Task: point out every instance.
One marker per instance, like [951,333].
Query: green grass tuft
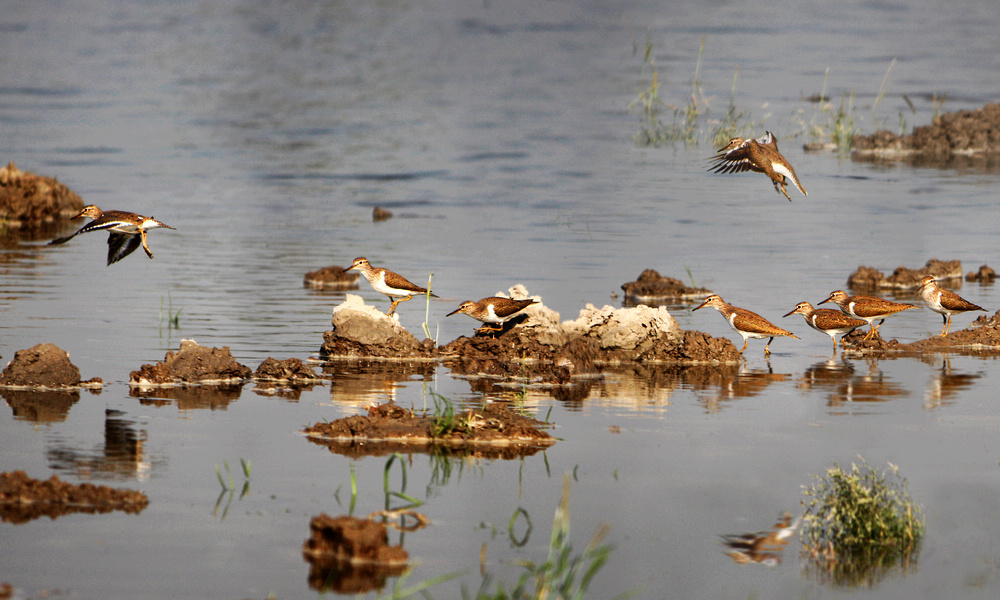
[860,524]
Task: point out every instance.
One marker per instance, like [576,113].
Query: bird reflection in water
[764,547]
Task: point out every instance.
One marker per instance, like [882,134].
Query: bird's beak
[454,311]
[702,305]
[827,300]
[795,310]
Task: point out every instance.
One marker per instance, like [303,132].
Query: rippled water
[499,137]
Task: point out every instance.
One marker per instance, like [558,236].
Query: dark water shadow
[122,455]
[192,397]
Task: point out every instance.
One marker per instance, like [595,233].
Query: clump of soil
[331,278]
[23,498]
[360,330]
[192,364]
[653,288]
[982,336]
[985,274]
[350,555]
[961,133]
[29,200]
[903,278]
[380,214]
[43,366]
[290,370]
[494,431]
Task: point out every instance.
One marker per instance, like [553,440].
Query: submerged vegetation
[690,123]
[860,524]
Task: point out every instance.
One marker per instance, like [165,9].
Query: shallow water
[499,137]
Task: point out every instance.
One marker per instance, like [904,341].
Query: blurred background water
[499,135]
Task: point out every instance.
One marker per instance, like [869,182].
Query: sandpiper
[943,301]
[126,230]
[867,308]
[759,155]
[492,311]
[828,321]
[386,282]
[747,324]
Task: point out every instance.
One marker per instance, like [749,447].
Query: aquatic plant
[687,124]
[564,574]
[229,487]
[860,524]
[173,318]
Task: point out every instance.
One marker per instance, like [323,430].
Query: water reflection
[732,382]
[361,383]
[946,384]
[764,547]
[845,387]
[284,390]
[214,397]
[121,456]
[46,406]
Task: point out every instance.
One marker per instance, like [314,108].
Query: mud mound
[23,498]
[192,364]
[903,278]
[360,330]
[983,337]
[43,366]
[495,431]
[29,200]
[331,278]
[961,133]
[985,274]
[290,370]
[653,288]
[349,555]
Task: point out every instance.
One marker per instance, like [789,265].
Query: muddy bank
[192,364]
[41,367]
[494,431]
[903,278]
[982,338]
[963,134]
[23,499]
[28,200]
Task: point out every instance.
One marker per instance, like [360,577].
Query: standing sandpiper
[386,282]
[761,156]
[867,308]
[492,311]
[943,301]
[747,324]
[828,321]
[127,230]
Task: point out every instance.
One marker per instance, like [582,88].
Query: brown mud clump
[43,366]
[982,338]
[965,133]
[29,200]
[985,274]
[903,278]
[494,431]
[291,370]
[361,331]
[349,555]
[23,498]
[331,278]
[192,364]
[653,288]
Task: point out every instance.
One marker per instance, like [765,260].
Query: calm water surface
[498,135]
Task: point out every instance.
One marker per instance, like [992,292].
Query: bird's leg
[766,351]
[744,346]
[142,234]
[392,309]
[946,326]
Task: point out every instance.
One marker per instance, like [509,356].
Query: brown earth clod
[347,554]
[29,200]
[331,278]
[903,278]
[653,288]
[192,364]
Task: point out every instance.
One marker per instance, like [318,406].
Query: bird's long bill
[829,299]
[792,312]
[702,305]
[454,311]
